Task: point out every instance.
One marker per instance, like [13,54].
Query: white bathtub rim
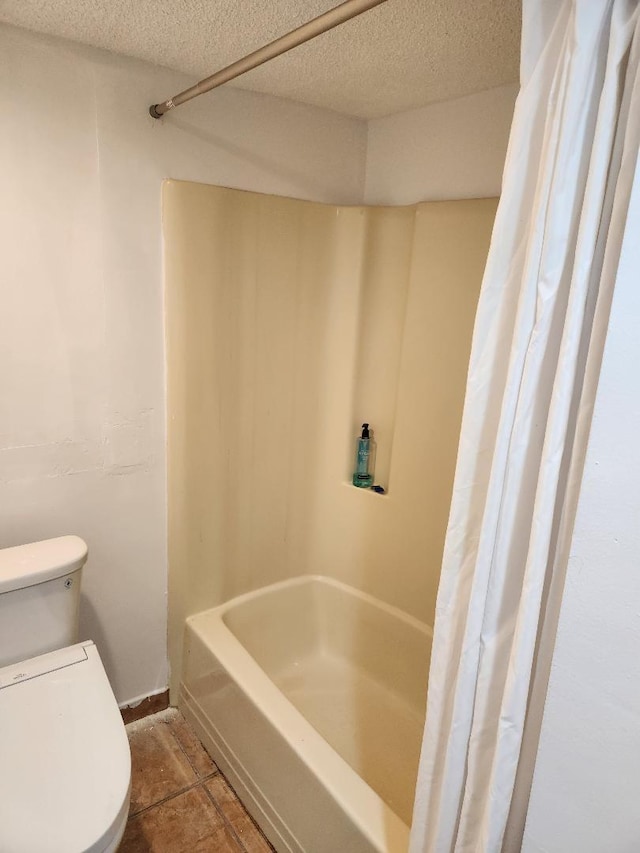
[373,817]
[299,580]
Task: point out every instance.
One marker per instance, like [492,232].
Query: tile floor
[179,799]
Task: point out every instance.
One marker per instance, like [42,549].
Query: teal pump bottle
[365,459]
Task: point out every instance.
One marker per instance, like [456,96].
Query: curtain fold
[538,342]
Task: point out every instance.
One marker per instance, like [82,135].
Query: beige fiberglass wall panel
[288,324]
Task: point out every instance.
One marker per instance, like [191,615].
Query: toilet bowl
[65,764]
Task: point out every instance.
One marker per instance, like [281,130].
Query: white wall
[450,150]
[82,437]
[585,789]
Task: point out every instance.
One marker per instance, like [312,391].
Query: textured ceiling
[400,55]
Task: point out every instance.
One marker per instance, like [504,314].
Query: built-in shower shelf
[366,491]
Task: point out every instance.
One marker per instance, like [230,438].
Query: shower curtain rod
[327,21]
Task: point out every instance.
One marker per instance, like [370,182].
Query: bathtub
[310,696]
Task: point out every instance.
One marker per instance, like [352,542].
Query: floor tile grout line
[254,823]
[210,795]
[244,809]
[201,781]
[226,820]
[184,752]
[175,794]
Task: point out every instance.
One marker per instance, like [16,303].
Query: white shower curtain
[540,330]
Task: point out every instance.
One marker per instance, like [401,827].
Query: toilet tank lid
[27,565]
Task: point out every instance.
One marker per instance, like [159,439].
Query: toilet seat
[65,765]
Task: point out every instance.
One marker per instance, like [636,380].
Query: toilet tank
[39,597]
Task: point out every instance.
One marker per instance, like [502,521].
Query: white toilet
[65,766]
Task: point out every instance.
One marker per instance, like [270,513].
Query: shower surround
[288,324]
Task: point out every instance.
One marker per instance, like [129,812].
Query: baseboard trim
[145,707]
